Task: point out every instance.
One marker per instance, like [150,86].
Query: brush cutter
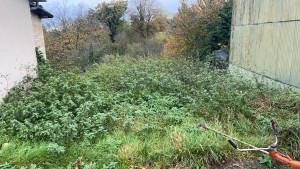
[271,150]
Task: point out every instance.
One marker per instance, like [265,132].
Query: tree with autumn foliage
[147,19]
[192,26]
[77,41]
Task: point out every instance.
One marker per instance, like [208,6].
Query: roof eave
[37,0]
[42,13]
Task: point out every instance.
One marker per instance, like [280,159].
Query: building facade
[20,32]
[265,40]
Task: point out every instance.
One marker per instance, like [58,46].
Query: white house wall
[17,48]
[38,33]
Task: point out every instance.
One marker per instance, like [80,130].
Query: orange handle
[276,156]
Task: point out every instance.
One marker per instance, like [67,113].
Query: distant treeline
[197,30]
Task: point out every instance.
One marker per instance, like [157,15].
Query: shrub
[58,107]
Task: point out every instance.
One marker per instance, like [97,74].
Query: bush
[58,107]
[66,107]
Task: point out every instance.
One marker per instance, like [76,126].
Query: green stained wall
[265,38]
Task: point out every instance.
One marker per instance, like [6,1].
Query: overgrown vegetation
[82,40]
[120,93]
[141,112]
[196,31]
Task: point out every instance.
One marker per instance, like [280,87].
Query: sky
[170,5]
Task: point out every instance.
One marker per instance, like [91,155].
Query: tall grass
[142,112]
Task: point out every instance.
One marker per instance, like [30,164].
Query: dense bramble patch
[141,112]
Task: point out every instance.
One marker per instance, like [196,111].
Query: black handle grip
[232,143]
[274,127]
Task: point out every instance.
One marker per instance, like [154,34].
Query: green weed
[141,112]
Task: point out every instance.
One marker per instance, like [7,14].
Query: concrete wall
[38,33]
[17,53]
[265,39]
